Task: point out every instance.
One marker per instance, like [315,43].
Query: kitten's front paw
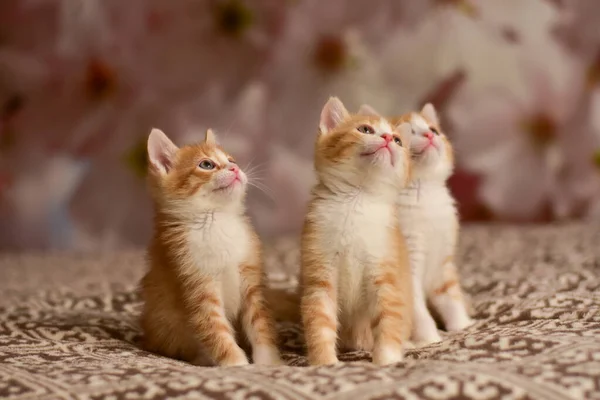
[323,360]
[236,360]
[387,355]
[410,345]
[234,363]
[266,355]
[421,339]
[459,324]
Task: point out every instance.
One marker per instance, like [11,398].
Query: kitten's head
[431,152]
[360,151]
[193,178]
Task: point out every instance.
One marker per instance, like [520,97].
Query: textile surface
[68,329]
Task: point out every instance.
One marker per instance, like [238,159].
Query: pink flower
[533,147]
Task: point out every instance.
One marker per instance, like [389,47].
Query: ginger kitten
[205,276]
[355,275]
[429,221]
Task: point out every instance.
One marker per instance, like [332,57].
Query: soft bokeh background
[517,83]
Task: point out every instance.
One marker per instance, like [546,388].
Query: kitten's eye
[207,164]
[365,129]
[432,129]
[231,160]
[398,141]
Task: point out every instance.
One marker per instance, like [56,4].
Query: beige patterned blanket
[68,330]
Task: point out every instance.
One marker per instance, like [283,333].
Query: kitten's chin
[235,185]
[428,156]
[231,194]
[432,166]
[379,155]
[230,197]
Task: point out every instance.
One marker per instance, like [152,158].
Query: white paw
[266,355]
[410,345]
[234,362]
[323,360]
[424,338]
[459,324]
[387,356]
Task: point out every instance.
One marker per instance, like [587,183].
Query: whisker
[268,192]
[249,164]
[254,167]
[256,172]
[262,186]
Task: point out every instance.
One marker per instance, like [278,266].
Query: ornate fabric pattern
[69,330]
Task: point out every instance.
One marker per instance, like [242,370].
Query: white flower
[532,147]
[523,21]
[449,41]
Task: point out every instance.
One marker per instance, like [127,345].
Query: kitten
[205,276]
[355,275]
[429,221]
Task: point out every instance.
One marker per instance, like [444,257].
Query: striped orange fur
[430,224]
[355,276]
[205,281]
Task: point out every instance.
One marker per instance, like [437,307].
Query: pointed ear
[405,132]
[428,111]
[332,115]
[161,151]
[210,138]
[367,110]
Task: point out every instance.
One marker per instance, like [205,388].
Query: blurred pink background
[82,82]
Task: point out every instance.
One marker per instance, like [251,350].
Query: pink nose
[388,138]
[234,168]
[428,135]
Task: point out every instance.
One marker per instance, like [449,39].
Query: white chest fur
[429,222]
[218,244]
[354,237]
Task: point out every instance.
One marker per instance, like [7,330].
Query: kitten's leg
[207,317]
[449,301]
[424,330]
[319,317]
[256,318]
[391,315]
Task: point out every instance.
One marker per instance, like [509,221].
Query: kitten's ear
[161,151]
[368,111]
[405,132]
[210,138]
[428,111]
[332,115]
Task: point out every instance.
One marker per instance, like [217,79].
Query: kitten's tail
[284,305]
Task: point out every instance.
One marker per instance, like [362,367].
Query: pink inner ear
[332,115]
[164,161]
[161,151]
[430,113]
